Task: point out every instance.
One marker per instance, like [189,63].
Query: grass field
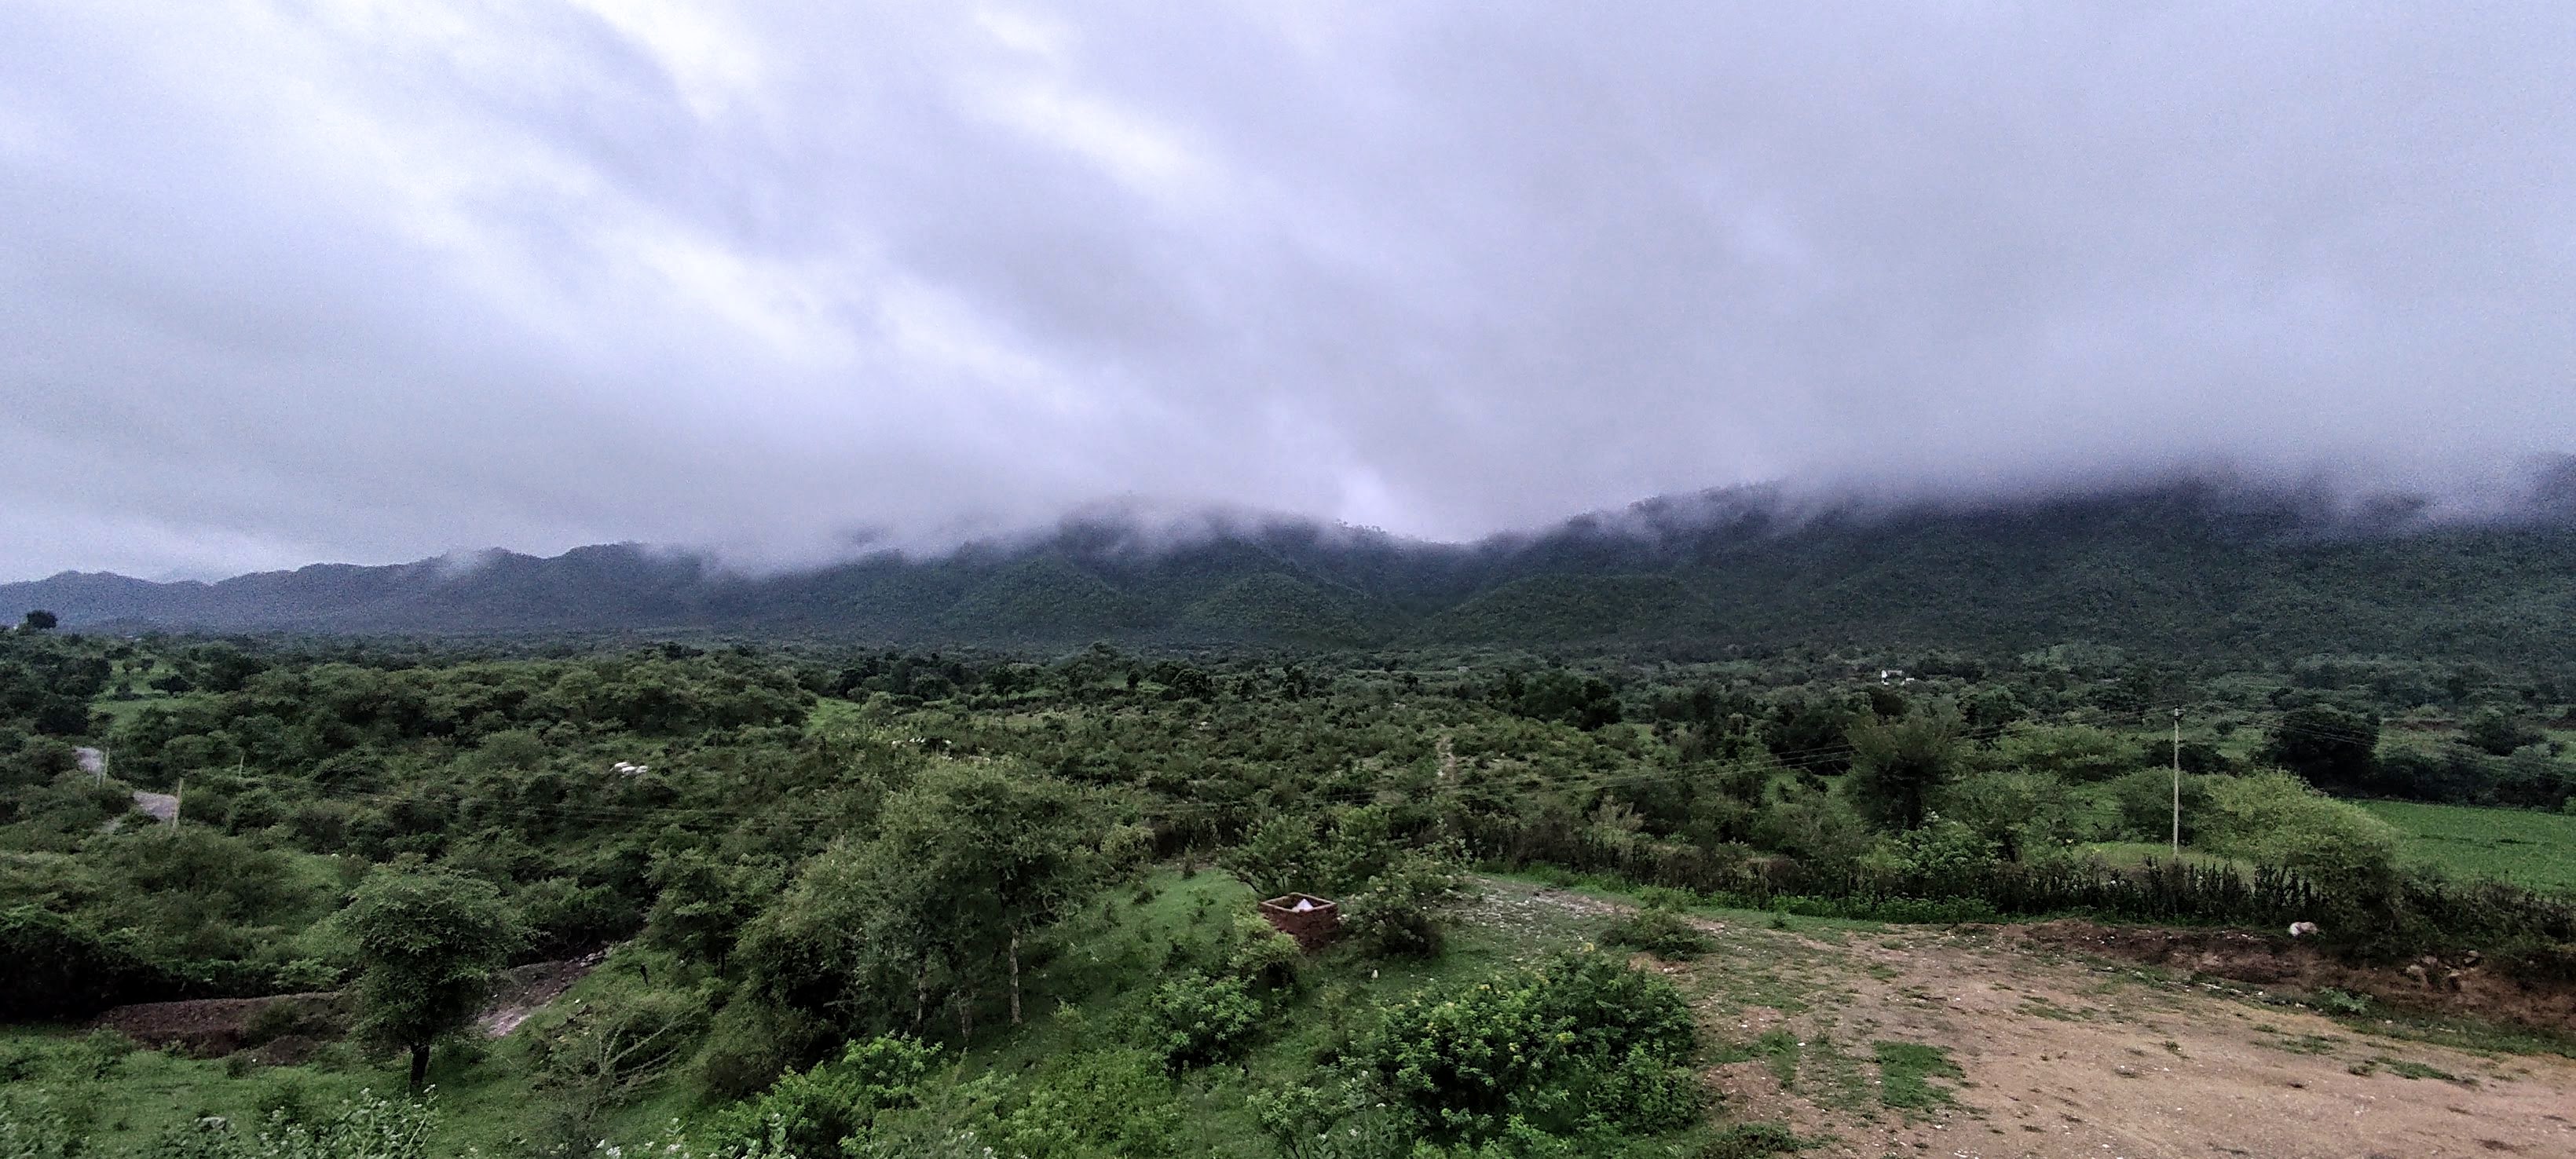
[2518,845]
[2132,854]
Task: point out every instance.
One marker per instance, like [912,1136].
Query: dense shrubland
[837,876]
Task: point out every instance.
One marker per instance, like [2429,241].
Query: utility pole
[177,800]
[2177,759]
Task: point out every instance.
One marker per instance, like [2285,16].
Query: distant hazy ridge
[2176,569]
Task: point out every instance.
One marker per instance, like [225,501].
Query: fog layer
[358,281]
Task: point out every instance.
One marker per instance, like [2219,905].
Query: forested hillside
[2177,571]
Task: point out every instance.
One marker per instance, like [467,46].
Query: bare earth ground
[2062,1054]
[213,1027]
[525,990]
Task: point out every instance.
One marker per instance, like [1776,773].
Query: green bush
[815,1109]
[749,1045]
[1944,853]
[2277,819]
[1660,932]
[1194,1019]
[1096,1105]
[368,1127]
[1259,954]
[1401,911]
[99,1054]
[1582,1044]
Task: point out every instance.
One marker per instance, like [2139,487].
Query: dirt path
[2059,1055]
[524,990]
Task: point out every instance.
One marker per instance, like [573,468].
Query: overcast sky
[372,281]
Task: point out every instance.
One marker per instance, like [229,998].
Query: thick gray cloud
[352,280]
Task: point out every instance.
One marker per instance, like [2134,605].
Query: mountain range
[2170,569]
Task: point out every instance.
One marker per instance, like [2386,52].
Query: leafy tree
[1993,706]
[700,906]
[2498,732]
[2332,748]
[40,620]
[1002,851]
[2078,754]
[1898,765]
[2534,779]
[1586,702]
[1813,732]
[967,864]
[425,944]
[53,969]
[1277,856]
[1401,909]
[2019,812]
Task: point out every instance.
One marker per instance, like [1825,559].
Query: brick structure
[1312,927]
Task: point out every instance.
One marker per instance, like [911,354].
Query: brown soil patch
[286,1050]
[2461,986]
[2062,1057]
[209,1027]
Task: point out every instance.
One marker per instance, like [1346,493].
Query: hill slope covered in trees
[2178,569]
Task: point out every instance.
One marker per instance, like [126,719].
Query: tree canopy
[425,944]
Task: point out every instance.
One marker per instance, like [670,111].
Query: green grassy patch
[2528,848]
[2043,1008]
[2305,1044]
[1906,1071]
[2407,1069]
[1778,1050]
[2460,1034]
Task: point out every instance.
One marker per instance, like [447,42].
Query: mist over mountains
[2171,568]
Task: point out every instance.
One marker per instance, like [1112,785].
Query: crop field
[2519,845]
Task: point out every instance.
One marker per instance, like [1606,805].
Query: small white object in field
[2302,929]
